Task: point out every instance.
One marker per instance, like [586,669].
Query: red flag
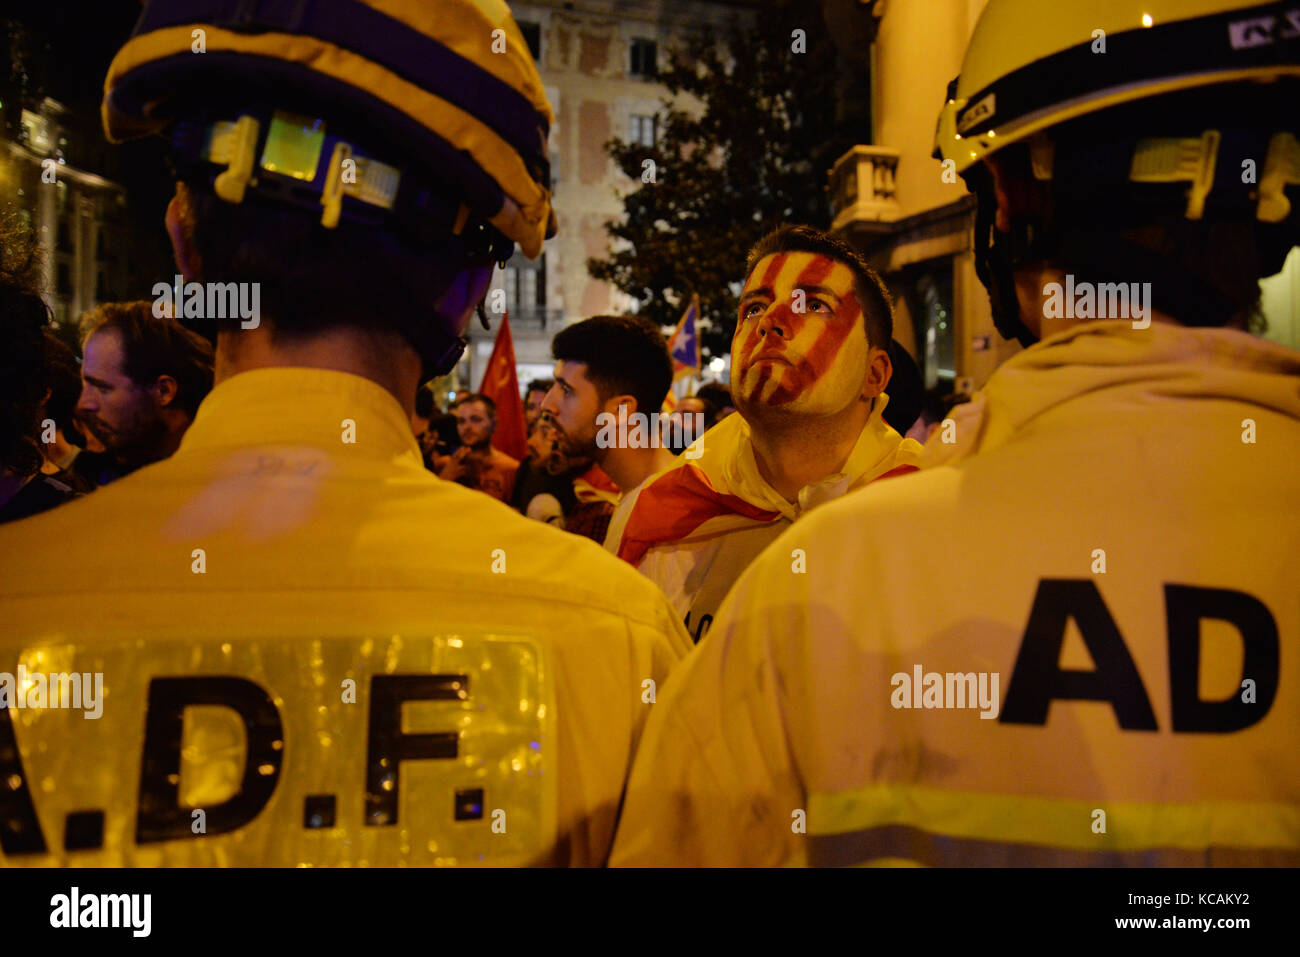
[501,385]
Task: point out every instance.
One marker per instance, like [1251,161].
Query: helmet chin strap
[995,261]
[437,339]
[441,365]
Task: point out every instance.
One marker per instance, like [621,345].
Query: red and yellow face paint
[811,360]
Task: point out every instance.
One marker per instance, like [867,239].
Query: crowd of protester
[75,424]
[128,399]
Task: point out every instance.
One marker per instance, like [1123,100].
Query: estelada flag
[684,345]
[501,385]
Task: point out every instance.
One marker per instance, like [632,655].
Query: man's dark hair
[153,347]
[312,278]
[464,397]
[624,355]
[906,390]
[873,297]
[540,385]
[64,376]
[24,318]
[716,397]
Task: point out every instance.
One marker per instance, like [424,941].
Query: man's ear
[880,369]
[615,401]
[165,389]
[180,227]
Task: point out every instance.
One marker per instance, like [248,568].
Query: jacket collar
[296,406]
[734,463]
[1162,362]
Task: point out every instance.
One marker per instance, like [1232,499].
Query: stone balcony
[862,189]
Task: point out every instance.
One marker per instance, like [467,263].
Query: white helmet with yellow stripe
[1159,101]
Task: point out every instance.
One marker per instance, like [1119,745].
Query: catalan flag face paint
[800,341]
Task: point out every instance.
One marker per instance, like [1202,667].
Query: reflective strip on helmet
[1174,159]
[932,826]
[293,145]
[1281,169]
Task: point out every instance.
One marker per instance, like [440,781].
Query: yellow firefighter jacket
[310,650]
[1073,641]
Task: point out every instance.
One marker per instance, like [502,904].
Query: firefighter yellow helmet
[444,94]
[1129,111]
[1031,65]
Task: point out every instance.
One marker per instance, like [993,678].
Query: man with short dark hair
[143,378]
[810,363]
[612,374]
[477,464]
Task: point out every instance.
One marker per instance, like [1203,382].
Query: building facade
[892,201]
[75,213]
[598,61]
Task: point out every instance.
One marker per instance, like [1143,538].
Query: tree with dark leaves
[756,156]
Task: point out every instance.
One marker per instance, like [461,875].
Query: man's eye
[749,309]
[816,305]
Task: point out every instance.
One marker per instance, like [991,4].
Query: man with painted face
[810,364]
[293,567]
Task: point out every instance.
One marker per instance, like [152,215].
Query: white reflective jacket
[1114,540]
